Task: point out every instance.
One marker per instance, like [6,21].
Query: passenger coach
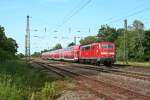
[71,53]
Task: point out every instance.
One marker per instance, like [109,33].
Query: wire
[130,15]
[71,11]
[74,13]
[110,20]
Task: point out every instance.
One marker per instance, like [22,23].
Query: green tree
[146,44]
[135,39]
[11,45]
[107,33]
[57,46]
[20,55]
[71,44]
[138,25]
[36,54]
[2,37]
[89,39]
[138,39]
[8,46]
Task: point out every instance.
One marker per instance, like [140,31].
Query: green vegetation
[138,41]
[107,33]
[19,81]
[50,91]
[36,54]
[89,39]
[57,46]
[136,64]
[8,46]
[20,55]
[71,44]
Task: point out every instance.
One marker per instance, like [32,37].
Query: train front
[108,53]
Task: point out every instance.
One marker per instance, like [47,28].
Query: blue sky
[52,13]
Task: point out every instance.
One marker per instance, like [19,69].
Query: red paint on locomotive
[102,52]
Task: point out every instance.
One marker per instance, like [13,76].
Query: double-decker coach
[66,54]
[71,53]
[45,55]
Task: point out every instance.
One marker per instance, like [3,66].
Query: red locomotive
[95,53]
[103,52]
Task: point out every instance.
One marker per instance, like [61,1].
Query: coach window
[82,48]
[89,47]
[85,48]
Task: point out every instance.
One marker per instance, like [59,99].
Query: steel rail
[124,90]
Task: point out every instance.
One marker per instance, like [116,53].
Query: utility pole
[125,43]
[27,40]
[89,30]
[69,30]
[75,40]
[26,47]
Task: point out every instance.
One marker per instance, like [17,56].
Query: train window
[82,48]
[87,48]
[67,49]
[71,48]
[92,47]
[107,46]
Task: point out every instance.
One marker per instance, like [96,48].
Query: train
[94,53]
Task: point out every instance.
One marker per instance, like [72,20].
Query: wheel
[108,64]
[97,63]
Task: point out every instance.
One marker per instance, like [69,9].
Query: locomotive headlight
[111,53]
[105,53]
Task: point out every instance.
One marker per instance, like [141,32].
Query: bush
[8,90]
[21,82]
[50,91]
[5,55]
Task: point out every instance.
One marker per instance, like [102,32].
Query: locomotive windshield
[107,46]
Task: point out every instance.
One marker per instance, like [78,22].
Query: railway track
[132,74]
[119,72]
[99,87]
[51,69]
[63,72]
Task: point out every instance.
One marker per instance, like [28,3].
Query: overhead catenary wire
[112,19]
[74,13]
[130,15]
[72,10]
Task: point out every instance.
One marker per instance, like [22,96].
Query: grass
[144,64]
[137,64]
[19,81]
